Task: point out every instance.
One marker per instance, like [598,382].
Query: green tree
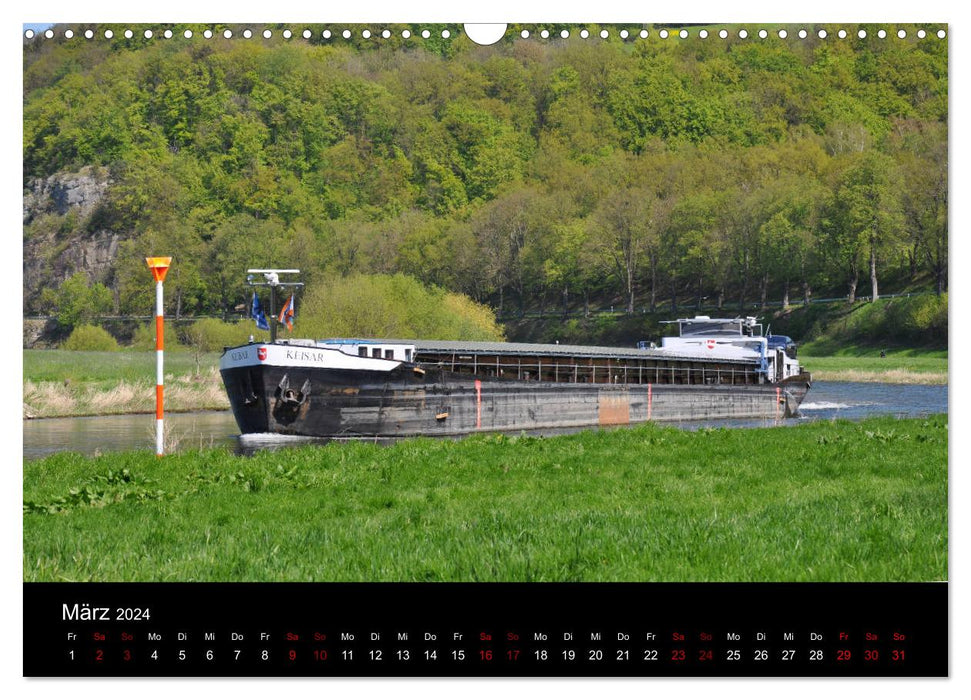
[865,214]
[77,302]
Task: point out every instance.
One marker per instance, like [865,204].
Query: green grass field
[107,368]
[76,383]
[902,366]
[828,501]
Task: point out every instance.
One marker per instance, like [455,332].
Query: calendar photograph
[487,304]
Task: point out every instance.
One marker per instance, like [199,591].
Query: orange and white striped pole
[159,266]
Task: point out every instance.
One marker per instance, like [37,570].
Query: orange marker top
[158,266]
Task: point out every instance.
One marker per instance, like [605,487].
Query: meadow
[827,501]
[859,364]
[89,383]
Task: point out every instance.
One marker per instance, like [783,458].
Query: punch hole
[69,34]
[703,33]
[941,34]
[247,34]
[683,34]
[227,34]
[803,33]
[663,33]
[643,33]
[129,33]
[325,34]
[604,33]
[861,33]
[307,33]
[742,34]
[882,34]
[425,33]
[29,34]
[584,34]
[564,34]
[49,34]
[366,34]
[524,34]
[147,34]
[783,33]
[187,33]
[901,34]
[406,34]
[723,34]
[446,34]
[763,34]
[841,33]
[821,34]
[386,34]
[267,33]
[346,33]
[624,33]
[167,33]
[207,34]
[921,33]
[109,34]
[287,34]
[545,34]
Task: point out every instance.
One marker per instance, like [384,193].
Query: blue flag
[256,311]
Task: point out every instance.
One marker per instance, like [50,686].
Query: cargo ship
[385,388]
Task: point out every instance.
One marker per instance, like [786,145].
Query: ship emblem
[710,343]
[261,353]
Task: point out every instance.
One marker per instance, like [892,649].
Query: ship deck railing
[598,371]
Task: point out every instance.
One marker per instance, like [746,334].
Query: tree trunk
[853,281]
[785,296]
[499,313]
[701,280]
[586,303]
[566,300]
[653,284]
[764,292]
[807,293]
[674,297]
[873,274]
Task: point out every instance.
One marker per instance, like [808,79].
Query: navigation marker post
[159,266]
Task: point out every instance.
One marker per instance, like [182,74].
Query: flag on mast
[288,313]
[256,311]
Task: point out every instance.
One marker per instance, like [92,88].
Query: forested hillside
[649,172]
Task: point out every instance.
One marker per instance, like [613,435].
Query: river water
[93,435]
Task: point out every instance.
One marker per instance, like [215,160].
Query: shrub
[90,338]
[212,335]
[391,306]
[144,337]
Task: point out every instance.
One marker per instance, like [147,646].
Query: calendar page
[432,349]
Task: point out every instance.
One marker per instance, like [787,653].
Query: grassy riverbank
[864,364]
[75,383]
[828,501]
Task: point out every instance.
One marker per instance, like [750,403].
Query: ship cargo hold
[344,388]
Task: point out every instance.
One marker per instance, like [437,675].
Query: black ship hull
[408,401]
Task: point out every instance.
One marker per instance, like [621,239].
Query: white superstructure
[731,338]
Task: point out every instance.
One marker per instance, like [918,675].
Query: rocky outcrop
[55,251]
[62,192]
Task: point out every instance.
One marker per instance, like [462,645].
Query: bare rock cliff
[58,238]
